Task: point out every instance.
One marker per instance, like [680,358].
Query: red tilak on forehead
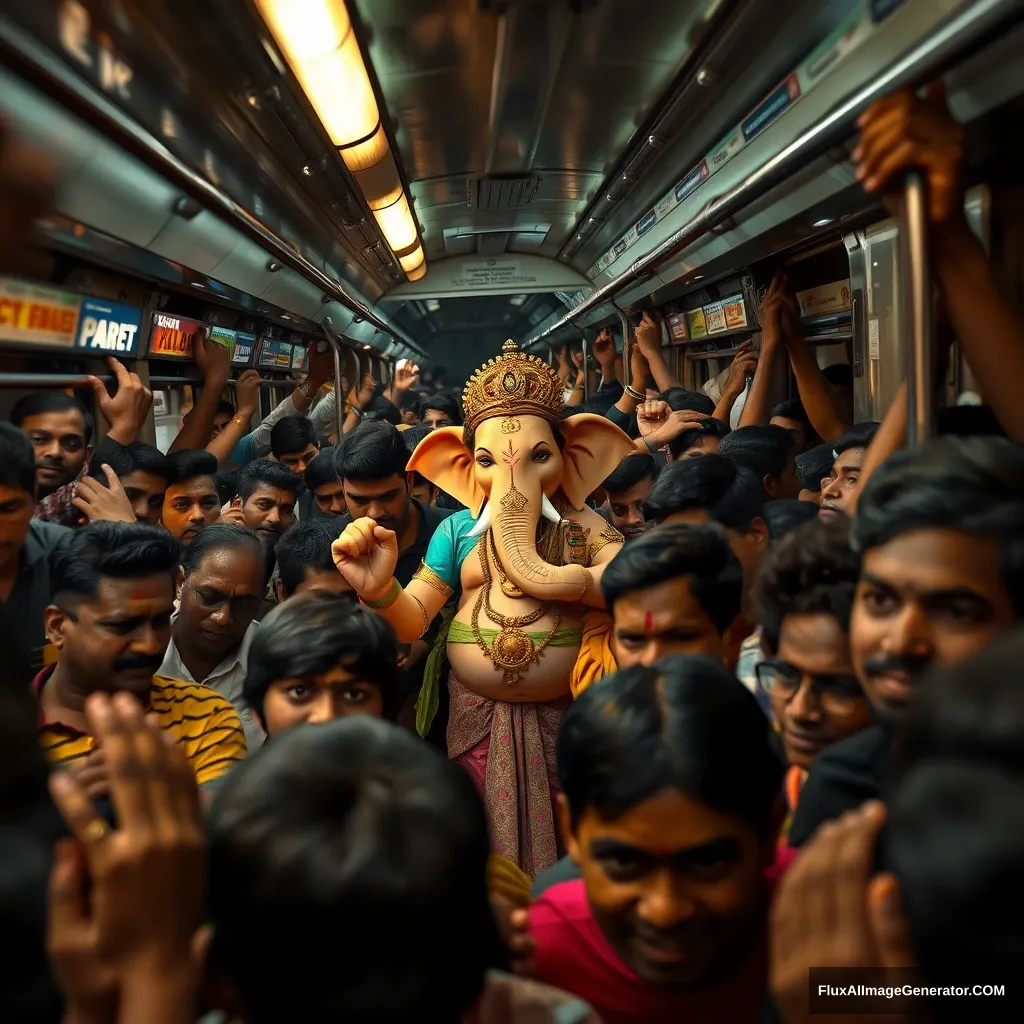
[648,622]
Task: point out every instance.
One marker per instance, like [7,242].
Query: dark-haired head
[220,587]
[848,454]
[371,462]
[669,772]
[113,594]
[60,429]
[769,452]
[321,656]
[679,399]
[224,415]
[792,415]
[941,534]
[382,410]
[678,589]
[144,472]
[17,492]
[323,482]
[304,560]
[968,421]
[267,493]
[293,442]
[627,488]
[785,514]
[440,411]
[191,501]
[804,597]
[712,489]
[703,439]
[812,468]
[356,821]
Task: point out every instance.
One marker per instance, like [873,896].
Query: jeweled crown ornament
[513,384]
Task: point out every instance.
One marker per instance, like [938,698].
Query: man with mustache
[627,489]
[191,501]
[110,623]
[266,495]
[848,452]
[941,535]
[220,585]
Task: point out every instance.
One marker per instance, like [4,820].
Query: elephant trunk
[515,533]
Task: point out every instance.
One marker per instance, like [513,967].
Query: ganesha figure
[526,558]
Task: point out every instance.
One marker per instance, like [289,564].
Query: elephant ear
[594,446]
[443,459]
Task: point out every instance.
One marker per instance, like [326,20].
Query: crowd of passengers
[810,754]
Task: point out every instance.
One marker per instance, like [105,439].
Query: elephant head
[507,468]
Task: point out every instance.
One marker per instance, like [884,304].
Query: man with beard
[848,454]
[265,498]
[110,622]
[941,536]
[627,488]
[220,588]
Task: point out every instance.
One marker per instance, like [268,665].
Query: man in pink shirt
[672,803]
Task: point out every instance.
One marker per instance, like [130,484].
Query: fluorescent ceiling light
[396,224]
[413,260]
[415,275]
[517,300]
[433,305]
[823,222]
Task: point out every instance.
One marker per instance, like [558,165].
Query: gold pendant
[512,650]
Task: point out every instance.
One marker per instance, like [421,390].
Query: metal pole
[921,351]
[627,369]
[339,401]
[586,367]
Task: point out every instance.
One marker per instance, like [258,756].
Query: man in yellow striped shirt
[110,624]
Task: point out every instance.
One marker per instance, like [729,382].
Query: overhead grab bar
[78,380]
[43,68]
[921,351]
[956,37]
[586,367]
[339,399]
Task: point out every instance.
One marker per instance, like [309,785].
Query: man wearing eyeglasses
[804,598]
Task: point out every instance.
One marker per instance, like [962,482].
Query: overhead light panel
[517,300]
[317,40]
[433,305]
[413,260]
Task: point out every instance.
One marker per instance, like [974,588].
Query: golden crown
[511,384]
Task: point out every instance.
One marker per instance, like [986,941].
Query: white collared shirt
[226,679]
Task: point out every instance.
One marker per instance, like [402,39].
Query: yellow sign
[36,315]
[696,324]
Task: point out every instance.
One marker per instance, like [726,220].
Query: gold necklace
[512,649]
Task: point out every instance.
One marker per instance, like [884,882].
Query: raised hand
[900,133]
[744,363]
[107,504]
[651,414]
[127,409]
[366,555]
[407,375]
[604,348]
[125,903]
[247,394]
[213,360]
[648,336]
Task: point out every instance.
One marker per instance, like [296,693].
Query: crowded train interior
[511,511]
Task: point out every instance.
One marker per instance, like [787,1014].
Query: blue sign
[691,181]
[109,328]
[244,344]
[646,222]
[771,108]
[269,353]
[881,9]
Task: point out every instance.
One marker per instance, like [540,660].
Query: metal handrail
[920,352]
[339,400]
[80,380]
[75,93]
[949,42]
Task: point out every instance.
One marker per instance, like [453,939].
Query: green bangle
[388,599]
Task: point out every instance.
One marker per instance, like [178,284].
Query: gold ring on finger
[96,830]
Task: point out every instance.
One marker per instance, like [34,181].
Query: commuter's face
[330,499]
[676,888]
[116,640]
[662,620]
[146,492]
[409,416]
[220,598]
[16,508]
[929,596]
[59,442]
[815,695]
[269,511]
[435,418]
[385,500]
[298,461]
[315,699]
[189,506]
[425,493]
[220,421]
[788,484]
[841,485]
[795,426]
[628,509]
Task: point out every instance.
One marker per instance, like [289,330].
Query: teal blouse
[449,547]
